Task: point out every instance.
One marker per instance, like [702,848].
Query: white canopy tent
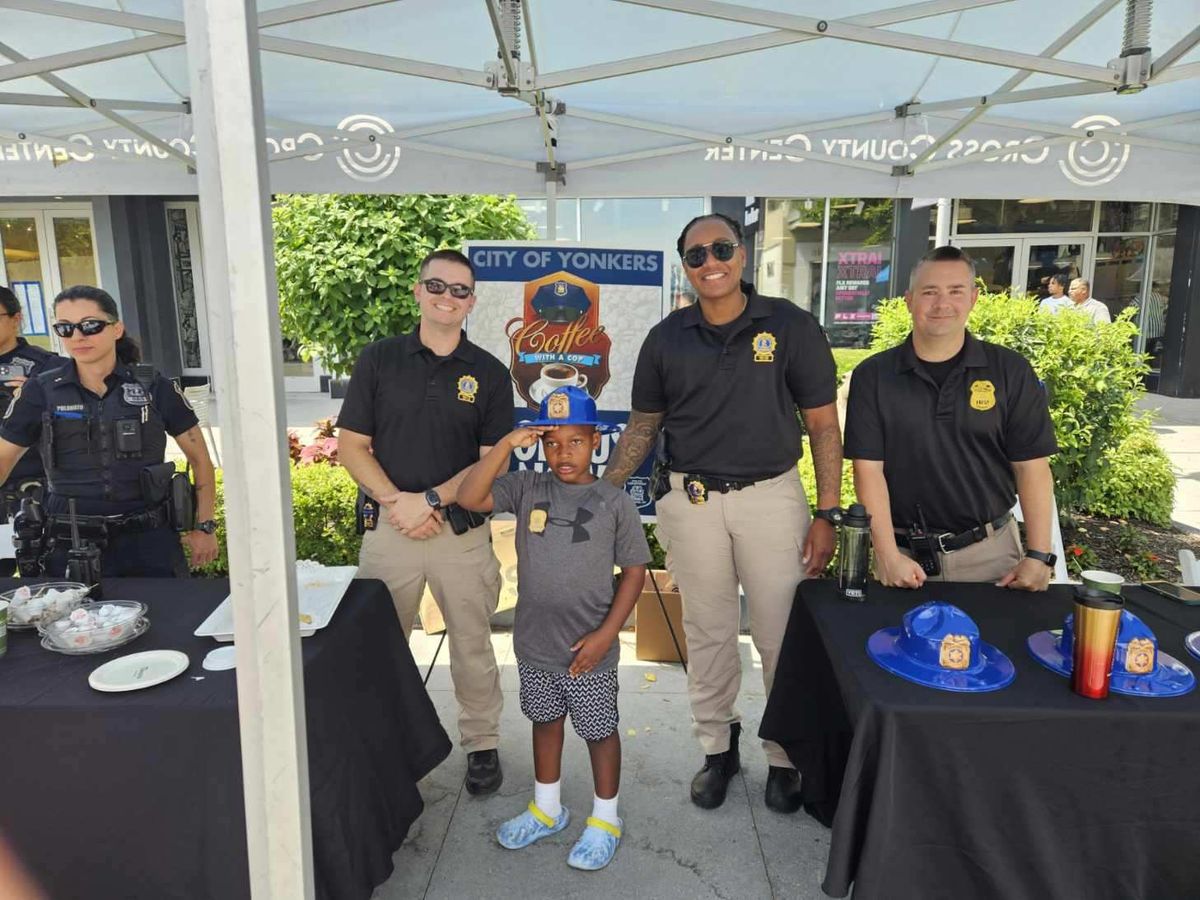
[986,98]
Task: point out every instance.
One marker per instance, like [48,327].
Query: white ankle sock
[547,798]
[606,810]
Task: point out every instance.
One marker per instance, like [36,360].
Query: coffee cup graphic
[556,375]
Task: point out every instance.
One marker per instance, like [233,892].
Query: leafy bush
[1136,480]
[1093,378]
[346,263]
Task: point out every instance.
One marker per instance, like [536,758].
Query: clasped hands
[411,515]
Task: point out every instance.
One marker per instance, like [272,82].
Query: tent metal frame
[224,40]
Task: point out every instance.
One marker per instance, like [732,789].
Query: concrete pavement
[1177,424]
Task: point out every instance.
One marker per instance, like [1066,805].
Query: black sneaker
[711,783]
[483,772]
[783,790]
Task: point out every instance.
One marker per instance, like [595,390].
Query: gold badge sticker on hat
[983,395]
[1139,657]
[468,387]
[537,520]
[764,347]
[558,406]
[955,652]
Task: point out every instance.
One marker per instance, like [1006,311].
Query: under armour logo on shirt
[579,534]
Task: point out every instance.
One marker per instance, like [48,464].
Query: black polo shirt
[427,415]
[950,449]
[730,393]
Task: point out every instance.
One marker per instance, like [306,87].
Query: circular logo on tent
[366,158]
[1092,161]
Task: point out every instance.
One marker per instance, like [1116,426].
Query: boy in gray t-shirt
[571,530]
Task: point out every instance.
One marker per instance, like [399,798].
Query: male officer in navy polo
[727,380]
[420,410]
[946,431]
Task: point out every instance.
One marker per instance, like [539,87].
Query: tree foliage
[346,263]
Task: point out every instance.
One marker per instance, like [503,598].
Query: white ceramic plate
[220,660]
[138,670]
[320,594]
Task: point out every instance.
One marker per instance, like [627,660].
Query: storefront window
[859,267]
[567,226]
[1153,320]
[1023,216]
[1168,216]
[1120,269]
[789,250]
[1124,216]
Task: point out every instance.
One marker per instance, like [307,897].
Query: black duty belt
[948,542]
[698,487]
[143,520]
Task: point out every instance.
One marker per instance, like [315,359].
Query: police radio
[83,559]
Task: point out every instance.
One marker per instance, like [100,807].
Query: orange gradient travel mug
[1097,619]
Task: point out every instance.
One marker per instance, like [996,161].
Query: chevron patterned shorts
[590,698]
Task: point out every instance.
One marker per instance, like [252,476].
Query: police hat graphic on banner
[561,302]
[1139,669]
[569,406]
[938,646]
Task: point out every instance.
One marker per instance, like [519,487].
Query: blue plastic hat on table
[938,646]
[560,302]
[1192,642]
[570,406]
[1140,668]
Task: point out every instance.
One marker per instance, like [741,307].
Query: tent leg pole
[223,62]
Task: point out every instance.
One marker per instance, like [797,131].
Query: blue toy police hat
[561,302]
[570,406]
[1140,668]
[1192,642]
[938,646]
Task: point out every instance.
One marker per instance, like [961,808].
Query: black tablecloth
[1028,792]
[139,795]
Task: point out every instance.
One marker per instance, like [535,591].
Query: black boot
[783,789]
[711,782]
[483,772]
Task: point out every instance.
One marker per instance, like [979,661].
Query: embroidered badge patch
[537,520]
[468,387]
[983,395]
[955,652]
[135,395]
[1139,658]
[558,406]
[764,347]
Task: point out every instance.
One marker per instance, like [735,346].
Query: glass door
[993,261]
[1045,257]
[43,251]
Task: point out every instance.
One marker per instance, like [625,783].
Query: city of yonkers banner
[563,314]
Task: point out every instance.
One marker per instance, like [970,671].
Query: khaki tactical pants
[988,560]
[754,536]
[464,578]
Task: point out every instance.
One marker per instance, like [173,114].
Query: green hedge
[1108,457]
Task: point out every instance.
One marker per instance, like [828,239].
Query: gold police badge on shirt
[764,347]
[1139,657]
[955,652]
[983,395]
[468,387]
[537,520]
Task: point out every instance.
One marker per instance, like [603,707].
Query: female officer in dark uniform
[98,427]
[19,360]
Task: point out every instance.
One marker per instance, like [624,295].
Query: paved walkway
[671,849]
[1178,428]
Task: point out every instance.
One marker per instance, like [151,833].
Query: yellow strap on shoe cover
[541,816]
[604,826]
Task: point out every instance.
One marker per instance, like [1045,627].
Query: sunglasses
[457,291]
[722,251]
[88,327]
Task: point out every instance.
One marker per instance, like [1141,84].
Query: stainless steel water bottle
[854,553]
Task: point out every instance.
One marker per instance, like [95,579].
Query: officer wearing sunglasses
[100,424]
[724,380]
[19,361]
[420,410]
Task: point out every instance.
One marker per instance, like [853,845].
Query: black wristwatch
[432,498]
[208,526]
[833,515]
[1048,558]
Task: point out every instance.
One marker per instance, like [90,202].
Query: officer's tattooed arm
[637,440]
[825,441]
